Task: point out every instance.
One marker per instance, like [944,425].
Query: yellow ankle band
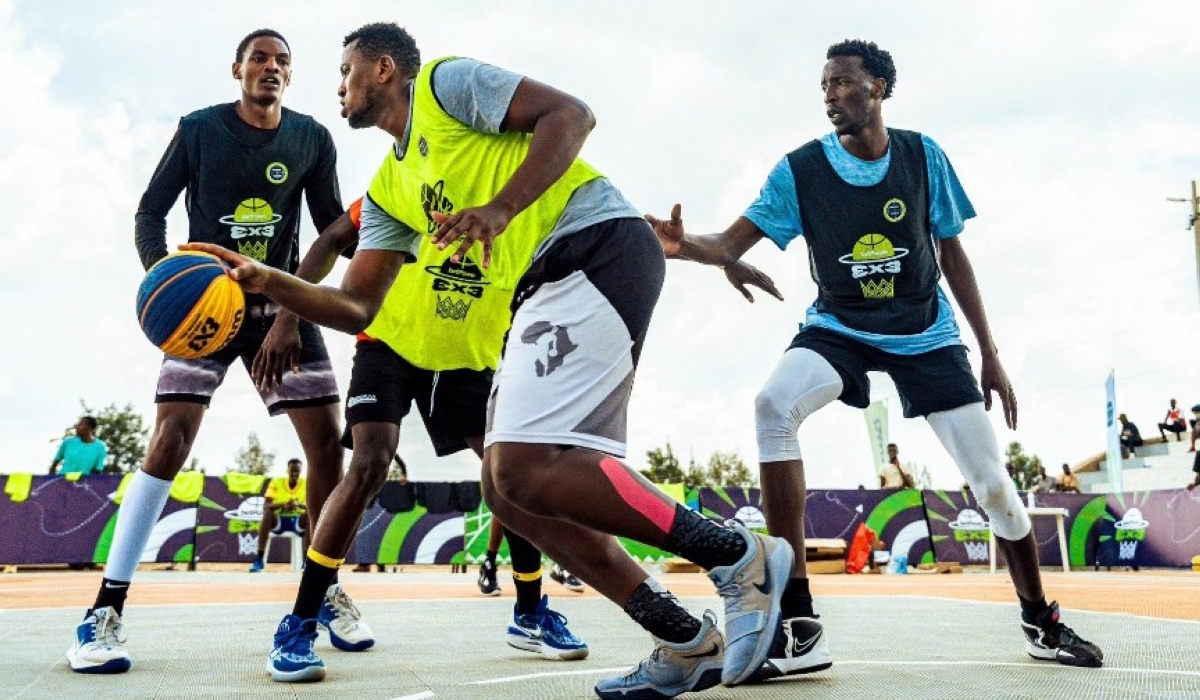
[534,576]
[323,560]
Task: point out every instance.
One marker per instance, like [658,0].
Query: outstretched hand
[740,274]
[670,232]
[993,378]
[481,224]
[251,275]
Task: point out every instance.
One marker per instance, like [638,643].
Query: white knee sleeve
[967,435]
[802,382]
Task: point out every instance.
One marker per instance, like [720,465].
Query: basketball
[189,306]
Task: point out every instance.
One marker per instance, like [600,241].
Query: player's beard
[368,115]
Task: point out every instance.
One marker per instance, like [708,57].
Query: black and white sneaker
[800,647]
[1050,640]
[567,579]
[488,585]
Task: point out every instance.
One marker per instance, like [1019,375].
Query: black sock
[701,541]
[112,593]
[262,553]
[491,558]
[335,575]
[1030,609]
[661,615]
[797,601]
[314,583]
[527,560]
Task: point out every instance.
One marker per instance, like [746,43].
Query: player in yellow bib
[481,152]
[284,504]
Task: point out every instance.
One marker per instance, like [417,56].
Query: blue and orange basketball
[189,306]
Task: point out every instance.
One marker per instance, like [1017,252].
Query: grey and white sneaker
[338,614]
[672,669]
[752,588]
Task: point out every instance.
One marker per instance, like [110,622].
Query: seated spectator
[893,475]
[1131,437]
[82,452]
[1044,483]
[1012,475]
[1068,482]
[283,508]
[1173,422]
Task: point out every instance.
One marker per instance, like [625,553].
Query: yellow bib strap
[328,562]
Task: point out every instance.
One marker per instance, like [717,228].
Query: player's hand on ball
[741,274]
[670,232]
[481,224]
[251,275]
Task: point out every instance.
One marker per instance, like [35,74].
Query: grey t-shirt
[478,95]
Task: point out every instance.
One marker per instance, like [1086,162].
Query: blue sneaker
[256,565]
[292,660]
[752,588]
[347,631]
[99,644]
[545,632]
[672,669]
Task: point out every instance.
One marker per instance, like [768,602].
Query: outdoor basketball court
[916,636]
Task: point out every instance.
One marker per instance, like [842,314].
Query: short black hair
[90,420]
[380,39]
[293,460]
[875,60]
[241,48]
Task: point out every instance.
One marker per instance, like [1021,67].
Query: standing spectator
[82,452]
[283,507]
[893,475]
[1069,483]
[1131,437]
[1195,426]
[1173,422]
[1195,468]
[1044,483]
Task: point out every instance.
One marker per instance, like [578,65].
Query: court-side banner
[53,520]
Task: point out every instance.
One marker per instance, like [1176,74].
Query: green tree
[253,459]
[1026,468]
[727,469]
[664,467]
[123,431]
[722,469]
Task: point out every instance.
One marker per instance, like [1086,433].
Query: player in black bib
[245,167]
[881,211]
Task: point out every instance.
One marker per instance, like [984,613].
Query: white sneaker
[100,644]
[347,631]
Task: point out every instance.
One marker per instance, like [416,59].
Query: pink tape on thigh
[638,498]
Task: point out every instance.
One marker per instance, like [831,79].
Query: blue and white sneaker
[341,619]
[545,632]
[292,660]
[99,644]
[256,565]
[752,588]
[672,669]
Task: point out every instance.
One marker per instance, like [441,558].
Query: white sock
[143,503]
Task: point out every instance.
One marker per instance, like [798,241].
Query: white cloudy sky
[1069,123]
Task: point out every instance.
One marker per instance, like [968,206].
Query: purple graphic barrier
[898,517]
[60,522]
